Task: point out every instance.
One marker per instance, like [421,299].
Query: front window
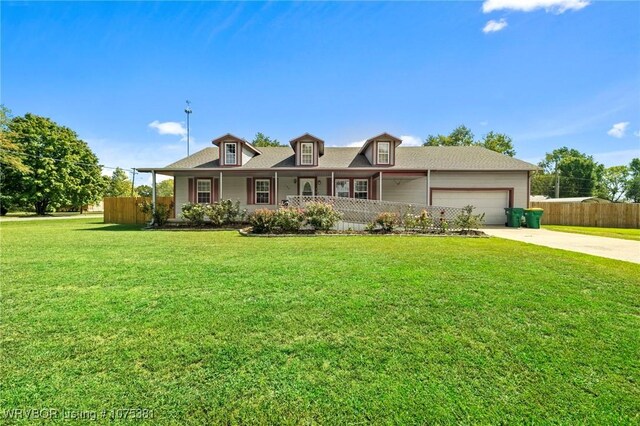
[230,153]
[306,153]
[204,191]
[263,191]
[383,152]
[361,189]
[342,188]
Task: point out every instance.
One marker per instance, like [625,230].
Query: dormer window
[230,154]
[306,153]
[383,152]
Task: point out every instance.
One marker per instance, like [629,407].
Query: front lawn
[212,327]
[622,233]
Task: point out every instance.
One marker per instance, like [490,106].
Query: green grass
[211,327]
[621,233]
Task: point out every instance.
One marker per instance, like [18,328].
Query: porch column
[275,189]
[153,192]
[428,187]
[220,188]
[380,186]
[333,185]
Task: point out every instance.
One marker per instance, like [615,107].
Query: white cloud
[616,158]
[636,133]
[169,128]
[554,6]
[356,144]
[618,130]
[408,140]
[494,26]
[484,123]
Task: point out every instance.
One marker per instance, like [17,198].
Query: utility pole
[188,111]
[133,181]
[557,181]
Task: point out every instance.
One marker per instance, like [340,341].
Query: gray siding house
[382,169]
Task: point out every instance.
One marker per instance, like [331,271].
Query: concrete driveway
[613,248]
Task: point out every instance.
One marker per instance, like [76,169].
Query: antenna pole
[188,111]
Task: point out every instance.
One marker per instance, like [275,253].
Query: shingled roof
[407,158]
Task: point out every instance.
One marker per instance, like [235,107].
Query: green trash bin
[514,216]
[532,217]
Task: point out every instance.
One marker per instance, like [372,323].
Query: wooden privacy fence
[604,215]
[126,210]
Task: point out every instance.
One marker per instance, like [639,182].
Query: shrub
[321,216]
[194,213]
[232,212]
[442,223]
[424,221]
[387,221]
[263,221]
[161,214]
[467,221]
[289,219]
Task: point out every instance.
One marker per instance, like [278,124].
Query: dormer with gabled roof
[307,149]
[381,150]
[234,151]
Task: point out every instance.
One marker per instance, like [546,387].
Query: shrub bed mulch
[248,232]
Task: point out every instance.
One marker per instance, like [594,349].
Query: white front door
[307,187]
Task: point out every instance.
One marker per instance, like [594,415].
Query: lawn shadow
[114,228]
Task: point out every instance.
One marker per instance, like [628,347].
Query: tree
[578,173]
[119,184]
[262,140]
[144,190]
[613,183]
[165,188]
[463,136]
[10,159]
[632,187]
[498,142]
[62,168]
[460,136]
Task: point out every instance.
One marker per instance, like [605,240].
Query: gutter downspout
[429,187]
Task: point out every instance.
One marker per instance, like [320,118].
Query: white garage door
[491,203]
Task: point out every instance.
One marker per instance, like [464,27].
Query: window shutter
[192,185]
[329,187]
[249,190]
[215,189]
[272,191]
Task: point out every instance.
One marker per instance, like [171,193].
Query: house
[382,169]
[545,199]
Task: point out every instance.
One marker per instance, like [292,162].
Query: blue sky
[547,72]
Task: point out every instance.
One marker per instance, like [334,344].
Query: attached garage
[491,201]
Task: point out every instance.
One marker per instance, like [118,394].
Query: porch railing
[356,213]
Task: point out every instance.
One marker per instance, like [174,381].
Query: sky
[549,73]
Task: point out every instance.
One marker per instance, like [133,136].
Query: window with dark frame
[263,191]
[203,191]
[361,189]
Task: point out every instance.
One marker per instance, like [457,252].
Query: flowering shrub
[263,221]
[224,212]
[467,221]
[321,216]
[289,219]
[421,222]
[161,213]
[387,221]
[194,213]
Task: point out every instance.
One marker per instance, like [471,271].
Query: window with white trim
[203,190]
[342,188]
[263,191]
[230,154]
[361,189]
[306,153]
[383,152]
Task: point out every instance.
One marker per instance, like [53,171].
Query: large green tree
[613,183]
[11,156]
[262,140]
[463,136]
[119,185]
[577,172]
[163,189]
[632,187]
[62,169]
